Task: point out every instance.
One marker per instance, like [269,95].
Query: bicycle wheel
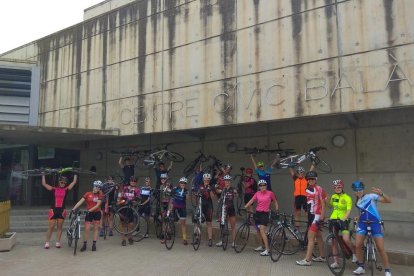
[321,165]
[277,244]
[239,202]
[196,235]
[69,236]
[224,234]
[173,156]
[158,228]
[169,233]
[126,220]
[292,244]
[190,168]
[370,256]
[142,230]
[335,258]
[105,226]
[242,237]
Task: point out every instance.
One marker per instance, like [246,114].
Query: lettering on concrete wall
[272,93]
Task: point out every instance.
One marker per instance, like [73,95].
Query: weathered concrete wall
[154,66]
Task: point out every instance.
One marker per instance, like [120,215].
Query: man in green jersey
[341,203]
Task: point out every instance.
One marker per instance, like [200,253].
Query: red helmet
[337,183]
[249,170]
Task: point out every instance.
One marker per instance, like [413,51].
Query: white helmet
[163,175]
[227,177]
[206,176]
[262,181]
[183,180]
[98,184]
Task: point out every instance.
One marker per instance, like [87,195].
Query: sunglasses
[262,185]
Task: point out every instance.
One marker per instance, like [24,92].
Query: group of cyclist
[308,196]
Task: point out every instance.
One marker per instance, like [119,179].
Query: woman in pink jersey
[57,212]
[264,198]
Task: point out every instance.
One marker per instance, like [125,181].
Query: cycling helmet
[147,179]
[109,177]
[338,183]
[206,176]
[227,177]
[260,164]
[249,170]
[163,176]
[183,180]
[357,186]
[311,175]
[300,169]
[98,184]
[262,182]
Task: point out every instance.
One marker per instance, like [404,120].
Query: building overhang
[23,134]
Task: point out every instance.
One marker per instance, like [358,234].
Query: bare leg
[379,242]
[232,221]
[209,230]
[50,229]
[264,236]
[59,229]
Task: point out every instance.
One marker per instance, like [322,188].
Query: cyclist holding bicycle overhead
[57,212]
[367,205]
[207,192]
[93,201]
[129,193]
[300,184]
[180,194]
[128,168]
[229,194]
[264,198]
[262,172]
[316,198]
[341,203]
[161,170]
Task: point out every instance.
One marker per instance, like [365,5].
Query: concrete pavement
[149,257]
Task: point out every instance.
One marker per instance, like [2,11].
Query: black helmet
[311,175]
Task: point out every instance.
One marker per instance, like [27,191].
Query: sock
[360,264]
[387,270]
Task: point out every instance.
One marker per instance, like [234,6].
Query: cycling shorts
[375,229]
[342,226]
[262,218]
[93,216]
[313,222]
[145,210]
[247,197]
[182,212]
[231,212]
[207,209]
[300,203]
[57,213]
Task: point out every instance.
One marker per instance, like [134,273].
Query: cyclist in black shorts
[107,201]
[145,195]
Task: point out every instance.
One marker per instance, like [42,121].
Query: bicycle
[159,154]
[370,249]
[255,150]
[198,219]
[169,229]
[239,178]
[156,212]
[127,220]
[107,189]
[294,160]
[224,226]
[73,233]
[53,171]
[337,251]
[193,165]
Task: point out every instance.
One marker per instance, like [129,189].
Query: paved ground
[149,257]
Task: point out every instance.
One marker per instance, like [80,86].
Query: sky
[23,21]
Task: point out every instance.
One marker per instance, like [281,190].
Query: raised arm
[121,162]
[71,185]
[44,184]
[253,161]
[170,166]
[383,198]
[277,159]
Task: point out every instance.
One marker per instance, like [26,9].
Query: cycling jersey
[158,174]
[229,195]
[92,199]
[198,179]
[166,193]
[250,185]
[145,193]
[205,192]
[314,196]
[130,193]
[341,203]
[264,198]
[265,175]
[367,206]
[59,197]
[300,185]
[179,196]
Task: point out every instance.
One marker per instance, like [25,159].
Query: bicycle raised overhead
[158,155]
[296,159]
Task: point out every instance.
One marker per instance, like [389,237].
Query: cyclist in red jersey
[57,212]
[316,198]
[93,201]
